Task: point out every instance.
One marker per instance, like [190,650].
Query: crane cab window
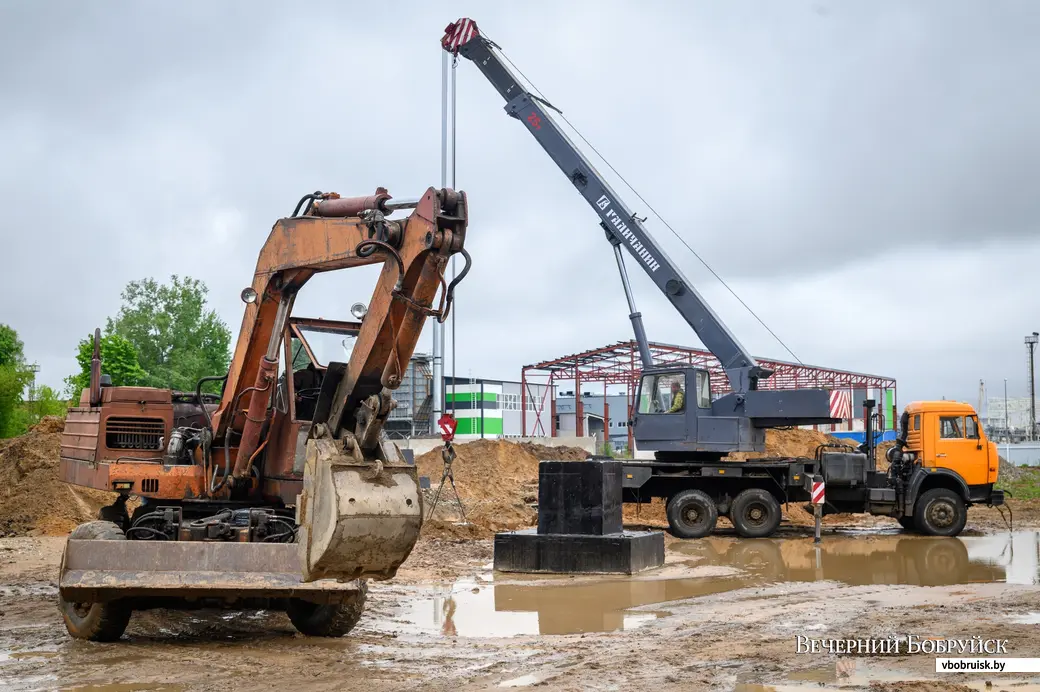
[703,390]
[951,427]
[664,393]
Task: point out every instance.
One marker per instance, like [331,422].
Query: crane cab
[676,414]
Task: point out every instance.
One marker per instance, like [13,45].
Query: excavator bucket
[358,517]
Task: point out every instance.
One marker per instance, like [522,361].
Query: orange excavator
[283,492]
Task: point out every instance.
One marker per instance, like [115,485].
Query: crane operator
[678,398]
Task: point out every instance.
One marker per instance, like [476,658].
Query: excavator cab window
[663,393]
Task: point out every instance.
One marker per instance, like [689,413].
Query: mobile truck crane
[942,463]
[283,492]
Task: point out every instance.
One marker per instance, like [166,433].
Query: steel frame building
[619,364]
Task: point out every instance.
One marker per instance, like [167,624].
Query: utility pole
[1031,345]
[34,368]
[982,398]
[1007,428]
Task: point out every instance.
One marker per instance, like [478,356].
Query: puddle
[1026,619]
[522,681]
[860,559]
[559,604]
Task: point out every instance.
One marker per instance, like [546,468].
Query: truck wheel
[755,513]
[907,523]
[691,514]
[940,512]
[98,622]
[327,620]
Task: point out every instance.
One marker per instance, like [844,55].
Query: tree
[177,339]
[14,376]
[12,351]
[118,361]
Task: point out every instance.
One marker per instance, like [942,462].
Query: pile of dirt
[790,442]
[544,453]
[498,483]
[33,501]
[1008,472]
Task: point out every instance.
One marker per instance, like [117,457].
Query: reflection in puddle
[561,604]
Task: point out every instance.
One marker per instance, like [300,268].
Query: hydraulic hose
[317,194]
[198,396]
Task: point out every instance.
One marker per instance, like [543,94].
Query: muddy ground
[722,614]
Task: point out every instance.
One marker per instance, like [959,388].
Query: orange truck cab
[946,438]
[941,465]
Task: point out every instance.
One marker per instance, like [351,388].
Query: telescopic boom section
[621,224]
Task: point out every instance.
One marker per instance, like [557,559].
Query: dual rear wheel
[755,513]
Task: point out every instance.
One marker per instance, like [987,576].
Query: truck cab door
[959,447]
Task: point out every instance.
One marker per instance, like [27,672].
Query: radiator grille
[134,433]
[150,485]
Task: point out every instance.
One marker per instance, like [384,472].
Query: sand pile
[793,442]
[543,453]
[32,499]
[498,483]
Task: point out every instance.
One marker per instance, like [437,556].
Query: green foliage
[1025,486]
[43,401]
[11,348]
[14,376]
[177,339]
[13,381]
[47,402]
[118,360]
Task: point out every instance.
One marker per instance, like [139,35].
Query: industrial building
[493,408]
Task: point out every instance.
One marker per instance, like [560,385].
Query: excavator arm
[360,510]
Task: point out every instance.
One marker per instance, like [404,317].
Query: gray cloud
[790,144]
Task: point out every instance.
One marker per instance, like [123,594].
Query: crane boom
[621,224]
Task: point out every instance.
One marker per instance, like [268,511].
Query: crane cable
[641,199]
[454,378]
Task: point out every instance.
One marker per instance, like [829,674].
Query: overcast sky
[863,174]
